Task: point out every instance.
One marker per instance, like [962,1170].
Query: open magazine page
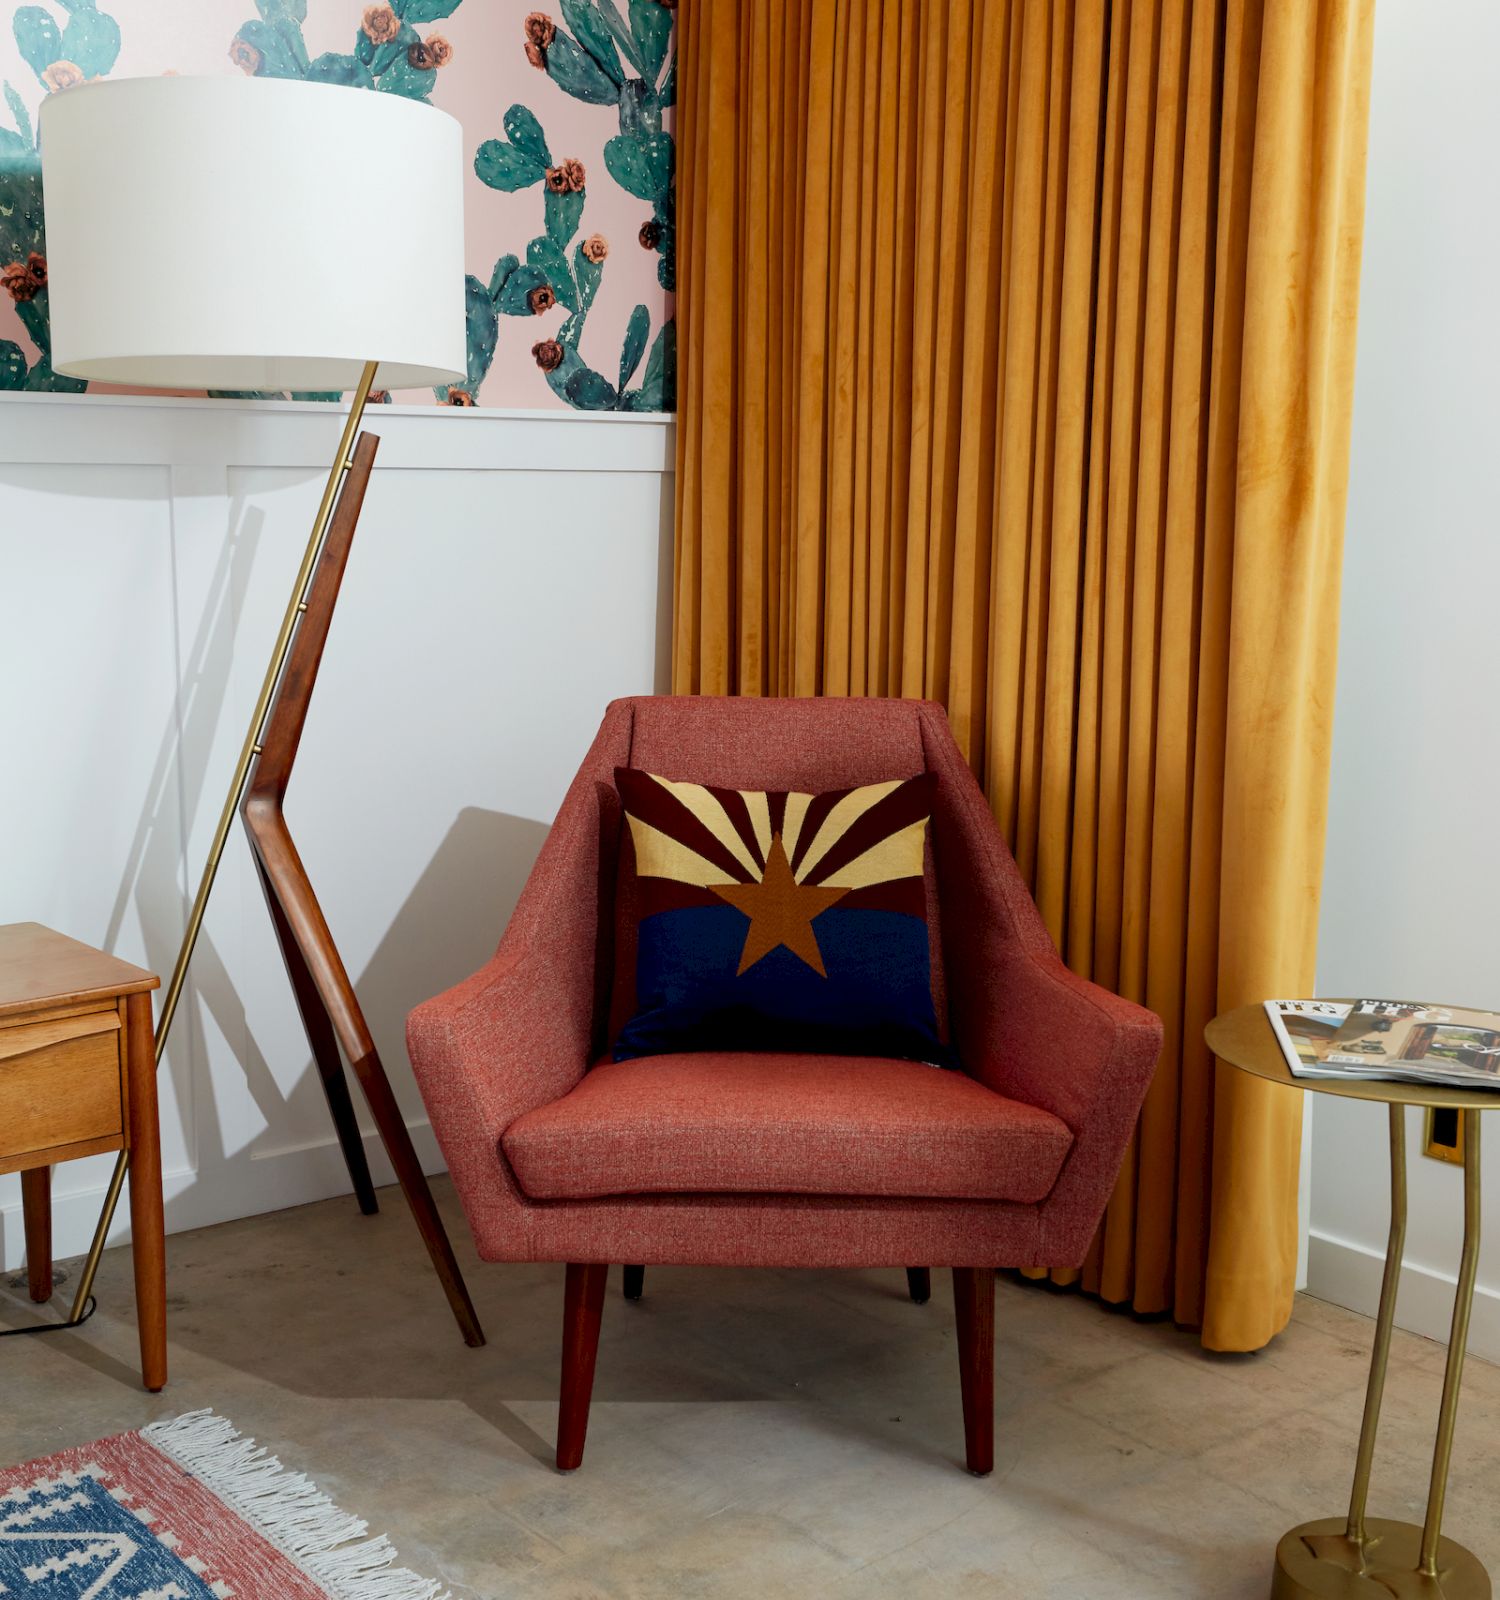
[1305,1029]
[1419,1042]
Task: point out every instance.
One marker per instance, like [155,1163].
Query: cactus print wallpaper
[566,107]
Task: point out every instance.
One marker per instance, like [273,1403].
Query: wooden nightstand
[77,1077]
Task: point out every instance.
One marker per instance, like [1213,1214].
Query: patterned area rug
[185,1510]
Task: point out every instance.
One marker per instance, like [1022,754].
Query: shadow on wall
[447,928]
[181,792]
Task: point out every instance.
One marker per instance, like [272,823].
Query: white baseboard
[1349,1274]
[245,1186]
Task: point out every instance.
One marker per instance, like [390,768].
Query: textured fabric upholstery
[721,1123]
[521,1033]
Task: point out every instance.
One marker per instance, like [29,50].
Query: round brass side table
[1374,1558]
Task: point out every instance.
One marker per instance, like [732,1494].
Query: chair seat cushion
[718,1122]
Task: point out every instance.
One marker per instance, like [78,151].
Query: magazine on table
[1304,1029]
[1406,1041]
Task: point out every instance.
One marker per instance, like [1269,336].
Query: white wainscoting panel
[510,577]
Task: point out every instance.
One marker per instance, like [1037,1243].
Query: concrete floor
[754,1433]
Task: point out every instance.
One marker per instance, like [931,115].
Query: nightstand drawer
[60,1086]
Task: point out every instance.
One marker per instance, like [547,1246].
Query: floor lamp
[254,234]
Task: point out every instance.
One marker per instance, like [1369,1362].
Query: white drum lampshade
[252,233]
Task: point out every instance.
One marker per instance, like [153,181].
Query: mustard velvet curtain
[1017,373]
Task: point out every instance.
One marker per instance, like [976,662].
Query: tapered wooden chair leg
[635,1282]
[583,1305]
[919,1284]
[974,1301]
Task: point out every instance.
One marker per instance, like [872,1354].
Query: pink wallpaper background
[485,72]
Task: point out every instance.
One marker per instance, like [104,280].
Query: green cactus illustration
[20,143]
[88,42]
[389,54]
[482,326]
[12,365]
[38,376]
[85,46]
[518,160]
[598,56]
[609,60]
[584,388]
[637,331]
[523,160]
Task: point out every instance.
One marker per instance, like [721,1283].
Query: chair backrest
[743,743]
[776,744]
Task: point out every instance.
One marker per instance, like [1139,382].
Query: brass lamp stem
[248,752]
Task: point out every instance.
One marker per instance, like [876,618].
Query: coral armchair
[739,1159]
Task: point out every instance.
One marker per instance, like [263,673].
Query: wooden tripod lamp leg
[325,996]
[325,1049]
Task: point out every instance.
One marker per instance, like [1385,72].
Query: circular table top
[1245,1039]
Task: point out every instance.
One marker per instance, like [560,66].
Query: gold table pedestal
[1319,1561]
[1374,1558]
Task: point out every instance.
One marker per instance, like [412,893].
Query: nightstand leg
[36,1208]
[147,1223]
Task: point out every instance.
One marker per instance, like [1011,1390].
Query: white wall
[506,581]
[1412,885]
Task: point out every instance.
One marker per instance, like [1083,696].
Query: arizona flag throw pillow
[780,921]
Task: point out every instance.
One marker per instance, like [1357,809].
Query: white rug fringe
[289,1510]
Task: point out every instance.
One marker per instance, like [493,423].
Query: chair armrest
[502,1042]
[519,1033]
[1024,1024]
[1043,1035]
[1039,1033]
[1057,1041]
[512,1037]
[1103,1072]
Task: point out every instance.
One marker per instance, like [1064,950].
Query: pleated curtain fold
[1017,369]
